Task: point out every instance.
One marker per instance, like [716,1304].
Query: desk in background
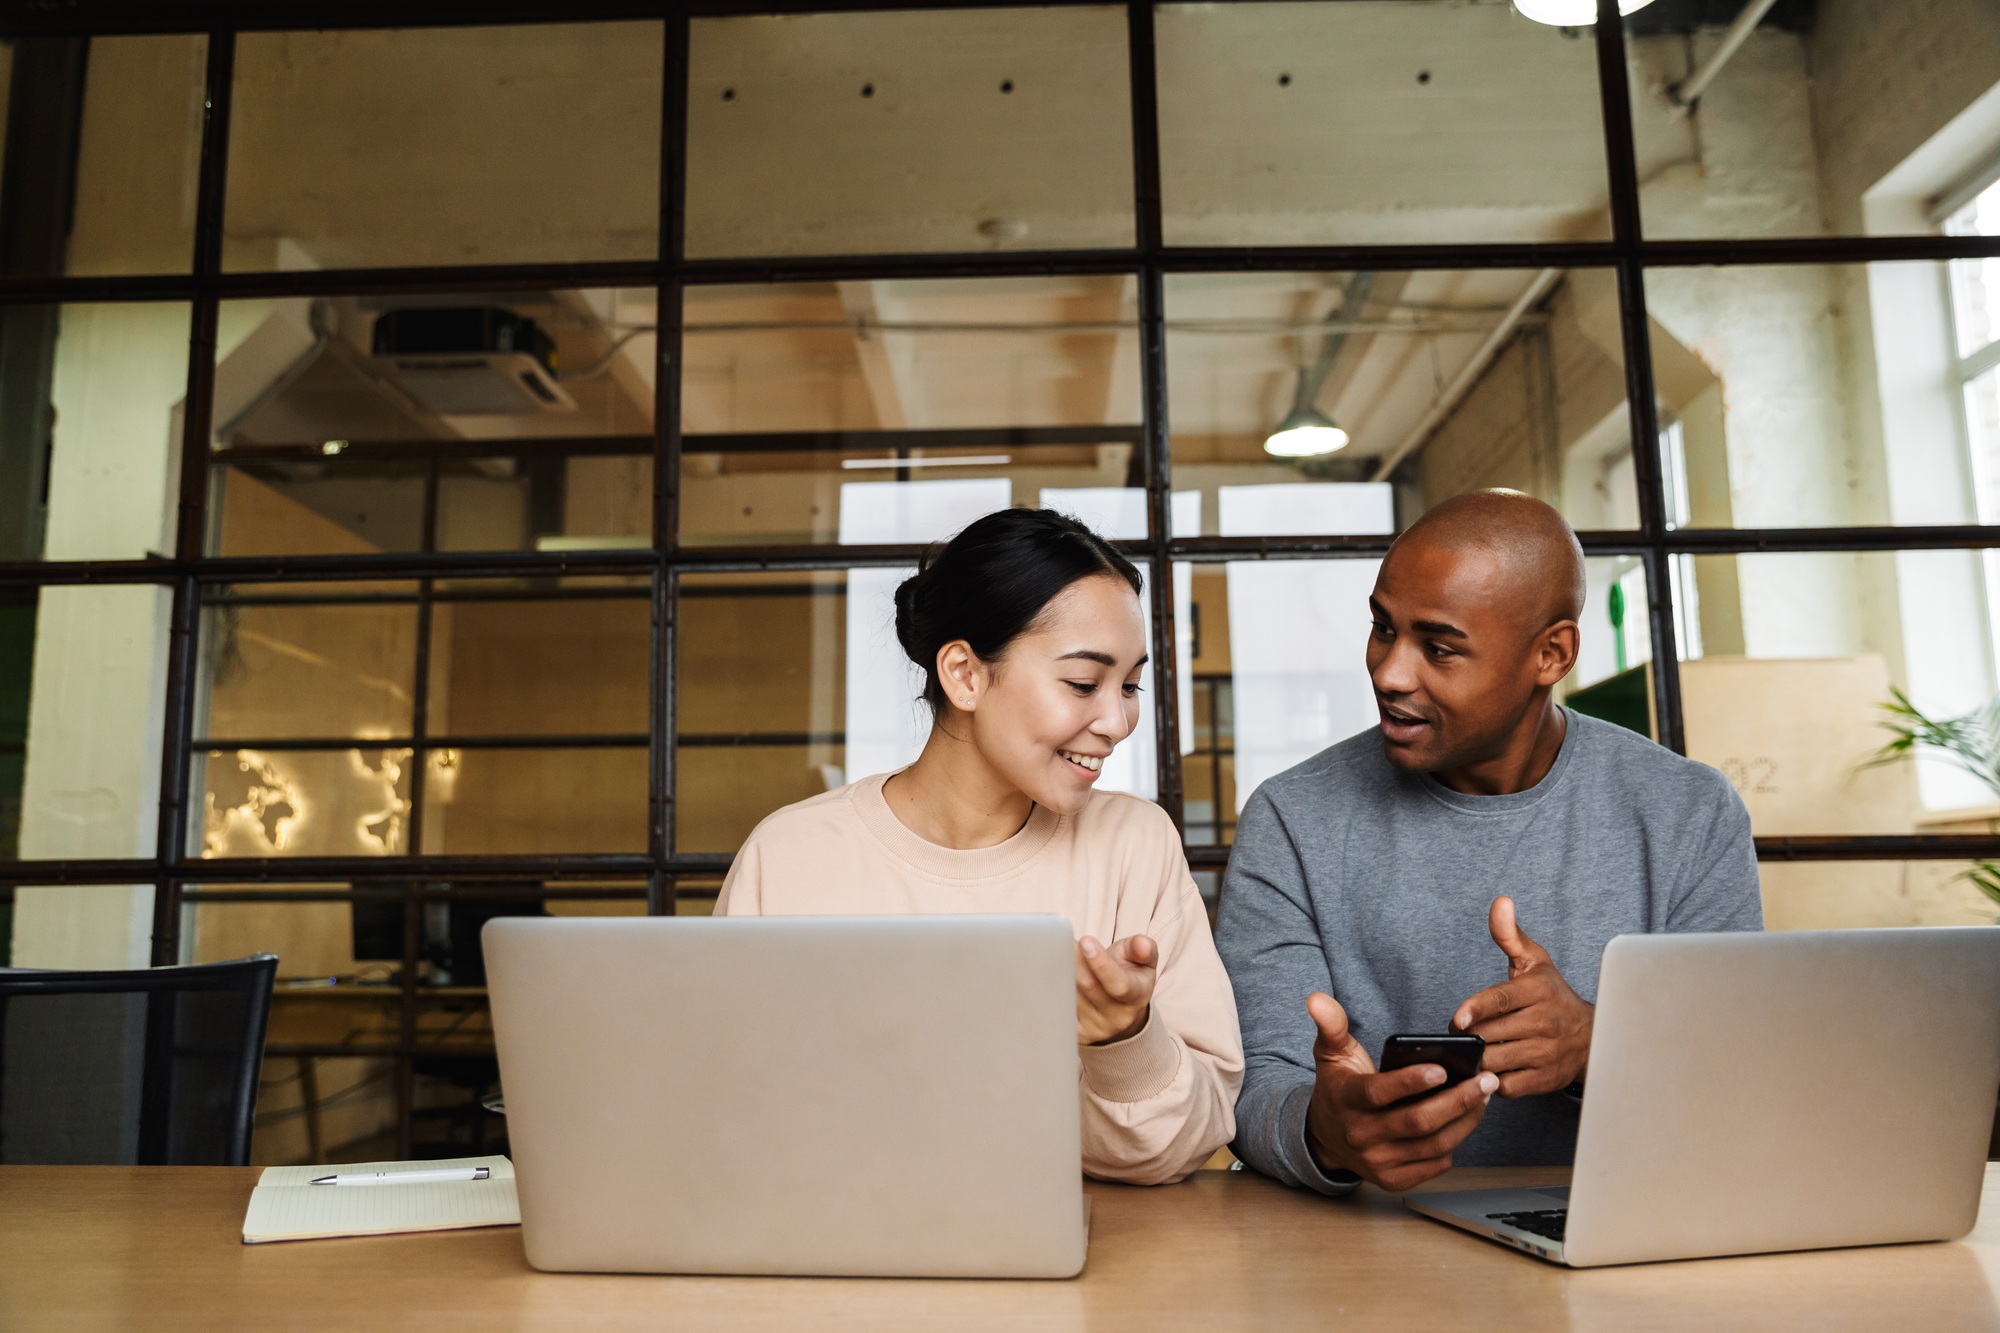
[378,1036]
[84,1248]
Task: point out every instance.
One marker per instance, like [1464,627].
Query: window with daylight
[1975,310]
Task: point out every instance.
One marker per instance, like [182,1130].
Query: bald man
[1459,867]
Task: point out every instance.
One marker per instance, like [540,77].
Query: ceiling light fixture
[1571,13]
[1306,432]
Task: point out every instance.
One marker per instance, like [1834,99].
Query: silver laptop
[885,1096]
[1757,1092]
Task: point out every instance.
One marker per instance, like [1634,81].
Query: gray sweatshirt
[1352,877]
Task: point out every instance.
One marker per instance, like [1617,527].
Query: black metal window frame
[196,579]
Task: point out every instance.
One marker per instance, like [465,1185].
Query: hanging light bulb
[1305,432]
[1571,13]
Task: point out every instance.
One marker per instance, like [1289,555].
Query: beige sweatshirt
[1156,1104]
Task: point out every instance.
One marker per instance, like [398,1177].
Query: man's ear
[1556,655]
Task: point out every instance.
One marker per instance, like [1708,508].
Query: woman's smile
[1092,763]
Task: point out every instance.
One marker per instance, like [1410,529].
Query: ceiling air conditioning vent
[470,361]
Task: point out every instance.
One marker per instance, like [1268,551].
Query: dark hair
[989,583]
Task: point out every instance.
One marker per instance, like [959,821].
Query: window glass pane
[82,675]
[517,666]
[696,895]
[1389,122]
[724,791]
[352,1000]
[138,155]
[1436,383]
[1836,895]
[1815,396]
[1975,285]
[891,132]
[1840,119]
[279,506]
[87,926]
[493,145]
[352,801]
[282,667]
[138,150]
[1982,421]
[1278,671]
[101,176]
[340,951]
[90,430]
[483,802]
[352,934]
[1799,655]
[763,664]
[352,1098]
[820,412]
[313,939]
[355,425]
[793,684]
[294,677]
[1208,764]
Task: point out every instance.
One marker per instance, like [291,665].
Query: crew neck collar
[1514,801]
[953,864]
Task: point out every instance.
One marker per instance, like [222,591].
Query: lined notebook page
[285,1206]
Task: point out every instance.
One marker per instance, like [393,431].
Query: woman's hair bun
[907,592]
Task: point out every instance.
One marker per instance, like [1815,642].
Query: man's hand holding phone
[1354,1123]
[1537,1029]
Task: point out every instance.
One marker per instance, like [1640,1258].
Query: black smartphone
[1458,1053]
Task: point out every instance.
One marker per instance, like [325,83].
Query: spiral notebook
[286,1206]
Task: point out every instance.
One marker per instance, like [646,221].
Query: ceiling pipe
[1685,93]
[1339,325]
[1468,375]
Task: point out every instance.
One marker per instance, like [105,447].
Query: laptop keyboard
[1545,1222]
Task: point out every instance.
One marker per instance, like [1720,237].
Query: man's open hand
[1351,1124]
[1114,987]
[1537,1030]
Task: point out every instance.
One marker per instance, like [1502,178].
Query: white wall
[95,719]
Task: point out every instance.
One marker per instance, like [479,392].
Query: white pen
[406,1177]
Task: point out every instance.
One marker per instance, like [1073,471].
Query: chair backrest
[153,1066]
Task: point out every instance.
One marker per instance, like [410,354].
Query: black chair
[155,1066]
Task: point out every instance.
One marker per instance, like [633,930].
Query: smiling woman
[1028,630]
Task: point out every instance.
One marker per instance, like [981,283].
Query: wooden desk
[159,1248]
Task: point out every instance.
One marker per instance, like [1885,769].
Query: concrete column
[95,723]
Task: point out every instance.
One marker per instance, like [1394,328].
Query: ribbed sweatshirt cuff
[1135,1068]
[1292,1143]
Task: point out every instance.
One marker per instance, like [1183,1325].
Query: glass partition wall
[567,397]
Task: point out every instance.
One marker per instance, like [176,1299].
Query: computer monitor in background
[448,928]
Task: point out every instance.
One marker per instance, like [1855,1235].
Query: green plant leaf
[1984,876]
[1971,742]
